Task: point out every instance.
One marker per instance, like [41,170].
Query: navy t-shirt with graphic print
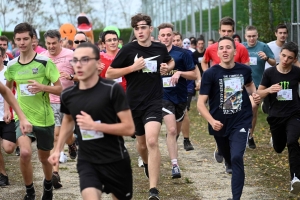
[144,87]
[228,99]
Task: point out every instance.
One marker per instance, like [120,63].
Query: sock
[174,161]
[30,189]
[56,173]
[47,184]
[186,138]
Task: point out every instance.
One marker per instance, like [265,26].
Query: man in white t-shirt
[61,57]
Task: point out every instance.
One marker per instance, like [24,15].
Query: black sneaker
[18,151]
[29,197]
[228,168]
[217,155]
[3,180]
[188,145]
[251,143]
[73,151]
[146,170]
[153,194]
[176,172]
[56,181]
[47,194]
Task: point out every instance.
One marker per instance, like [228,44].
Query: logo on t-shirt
[35,70]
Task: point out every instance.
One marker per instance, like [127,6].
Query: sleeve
[268,51]
[52,72]
[167,56]
[206,82]
[121,60]
[265,81]
[206,55]
[249,75]
[63,107]
[118,98]
[244,55]
[188,61]
[7,75]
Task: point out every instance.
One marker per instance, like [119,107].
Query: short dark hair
[108,32]
[227,21]
[4,38]
[237,36]
[81,32]
[200,38]
[165,25]
[212,40]
[192,38]
[292,47]
[177,33]
[24,27]
[227,38]
[52,34]
[3,52]
[140,17]
[194,42]
[279,26]
[70,42]
[250,28]
[92,46]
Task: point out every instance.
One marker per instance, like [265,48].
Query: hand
[197,84]
[101,67]
[34,87]
[175,78]
[7,116]
[256,98]
[164,69]
[25,126]
[138,64]
[262,55]
[54,158]
[85,121]
[216,125]
[65,75]
[274,88]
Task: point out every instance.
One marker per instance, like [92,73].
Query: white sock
[174,161]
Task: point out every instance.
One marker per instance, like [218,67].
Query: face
[186,43]
[165,36]
[177,41]
[111,42]
[84,64]
[2,57]
[251,37]
[287,58]
[3,44]
[236,39]
[53,45]
[23,41]
[226,51]
[142,31]
[200,45]
[281,34]
[226,30]
[79,38]
[35,42]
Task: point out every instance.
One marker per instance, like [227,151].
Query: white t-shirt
[3,81]
[276,51]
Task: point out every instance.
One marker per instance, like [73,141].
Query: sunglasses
[79,41]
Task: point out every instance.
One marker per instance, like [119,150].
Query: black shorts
[189,99]
[7,131]
[115,178]
[141,117]
[176,109]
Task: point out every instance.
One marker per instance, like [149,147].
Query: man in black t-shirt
[227,86]
[281,84]
[199,53]
[102,118]
[142,63]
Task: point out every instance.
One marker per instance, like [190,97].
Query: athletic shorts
[189,100]
[175,109]
[58,116]
[7,131]
[44,136]
[141,117]
[115,178]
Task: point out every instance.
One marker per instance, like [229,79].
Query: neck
[169,48]
[146,43]
[200,50]
[112,53]
[58,52]
[227,65]
[89,82]
[252,45]
[26,57]
[279,43]
[283,70]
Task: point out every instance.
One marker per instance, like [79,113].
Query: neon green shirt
[36,107]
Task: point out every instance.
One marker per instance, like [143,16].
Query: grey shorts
[58,116]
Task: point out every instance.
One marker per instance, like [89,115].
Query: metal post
[298,22]
[209,20]
[180,15]
[220,10]
[186,18]
[250,12]
[292,19]
[193,20]
[234,13]
[200,17]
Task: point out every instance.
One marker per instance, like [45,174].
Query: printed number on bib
[151,66]
[285,95]
[24,90]
[91,135]
[167,82]
[253,60]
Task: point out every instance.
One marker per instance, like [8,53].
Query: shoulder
[245,44]
[65,93]
[243,67]
[211,47]
[12,62]
[42,59]
[239,45]
[68,52]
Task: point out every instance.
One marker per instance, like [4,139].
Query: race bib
[151,66]
[24,90]
[253,60]
[119,80]
[200,59]
[285,95]
[167,82]
[233,84]
[90,134]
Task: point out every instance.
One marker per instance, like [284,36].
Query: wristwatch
[267,58]
[71,76]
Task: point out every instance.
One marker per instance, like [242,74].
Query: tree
[5,8]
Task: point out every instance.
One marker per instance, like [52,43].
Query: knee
[9,148]
[142,145]
[236,158]
[152,142]
[25,154]
[43,159]
[172,131]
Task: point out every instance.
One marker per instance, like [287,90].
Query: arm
[7,114]
[198,79]
[263,91]
[202,99]
[35,87]
[204,63]
[264,56]
[124,128]
[167,67]
[251,90]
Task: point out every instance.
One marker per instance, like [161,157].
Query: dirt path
[204,177]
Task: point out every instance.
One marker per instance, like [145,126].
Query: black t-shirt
[198,57]
[228,99]
[280,106]
[143,88]
[103,101]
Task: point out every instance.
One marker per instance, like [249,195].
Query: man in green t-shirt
[33,75]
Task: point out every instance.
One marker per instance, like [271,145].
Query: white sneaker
[140,162]
[295,186]
[271,142]
[63,158]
